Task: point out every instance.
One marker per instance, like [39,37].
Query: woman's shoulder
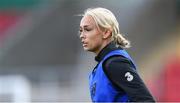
[117,59]
[117,63]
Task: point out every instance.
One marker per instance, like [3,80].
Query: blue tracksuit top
[101,88]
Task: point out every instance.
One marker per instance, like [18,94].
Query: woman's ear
[107,33]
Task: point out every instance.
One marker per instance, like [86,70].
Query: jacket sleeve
[124,77]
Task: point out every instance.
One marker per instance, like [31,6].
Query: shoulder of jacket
[116,58]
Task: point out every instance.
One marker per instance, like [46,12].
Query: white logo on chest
[129,76]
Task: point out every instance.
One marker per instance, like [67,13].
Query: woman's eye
[88,29]
[80,31]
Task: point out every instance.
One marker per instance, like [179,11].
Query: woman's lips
[84,43]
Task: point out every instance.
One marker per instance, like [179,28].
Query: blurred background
[42,59]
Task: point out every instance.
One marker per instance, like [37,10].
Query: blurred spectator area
[40,47]
[12,11]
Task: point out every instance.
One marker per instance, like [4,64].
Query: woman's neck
[102,46]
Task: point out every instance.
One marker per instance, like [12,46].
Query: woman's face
[91,37]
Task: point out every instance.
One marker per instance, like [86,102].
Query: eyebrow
[84,26]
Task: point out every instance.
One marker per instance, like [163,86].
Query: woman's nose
[82,35]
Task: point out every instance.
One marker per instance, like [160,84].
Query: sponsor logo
[129,76]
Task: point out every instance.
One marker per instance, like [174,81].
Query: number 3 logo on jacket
[129,76]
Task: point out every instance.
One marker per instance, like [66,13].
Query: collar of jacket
[108,48]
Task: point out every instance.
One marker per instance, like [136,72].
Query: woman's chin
[86,49]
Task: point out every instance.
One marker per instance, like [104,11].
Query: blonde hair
[105,19]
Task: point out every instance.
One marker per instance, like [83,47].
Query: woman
[115,78]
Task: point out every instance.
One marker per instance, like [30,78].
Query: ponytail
[121,41]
